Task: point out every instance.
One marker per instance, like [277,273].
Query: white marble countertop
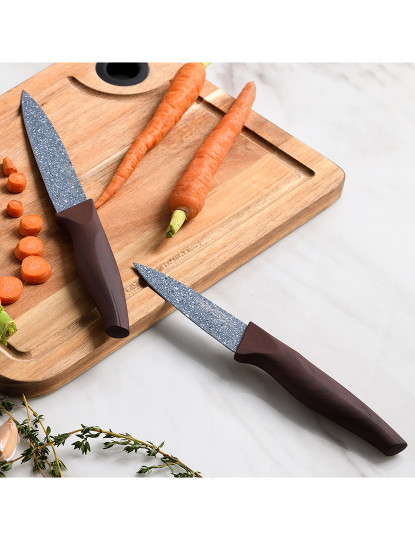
[340,290]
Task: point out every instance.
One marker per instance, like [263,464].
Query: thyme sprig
[39,448]
[29,438]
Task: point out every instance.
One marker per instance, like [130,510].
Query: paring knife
[93,256]
[303,380]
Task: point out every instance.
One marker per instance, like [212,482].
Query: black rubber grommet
[122,74]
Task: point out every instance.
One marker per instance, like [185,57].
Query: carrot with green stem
[192,189]
[182,92]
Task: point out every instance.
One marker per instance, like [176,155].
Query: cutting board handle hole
[122,74]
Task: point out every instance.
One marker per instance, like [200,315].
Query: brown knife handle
[96,265]
[316,389]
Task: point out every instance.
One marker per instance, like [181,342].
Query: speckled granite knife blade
[54,164]
[214,320]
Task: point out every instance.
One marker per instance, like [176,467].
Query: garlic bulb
[8,439]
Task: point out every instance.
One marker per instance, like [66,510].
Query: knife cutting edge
[94,259]
[301,378]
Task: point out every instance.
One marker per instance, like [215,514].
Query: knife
[252,345]
[93,256]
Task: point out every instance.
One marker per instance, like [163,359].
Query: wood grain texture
[268,185]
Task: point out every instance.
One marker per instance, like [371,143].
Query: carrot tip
[177,219]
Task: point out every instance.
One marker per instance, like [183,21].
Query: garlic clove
[8,439]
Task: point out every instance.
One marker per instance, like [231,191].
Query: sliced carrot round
[15,208]
[10,289]
[8,166]
[16,182]
[35,270]
[29,245]
[30,225]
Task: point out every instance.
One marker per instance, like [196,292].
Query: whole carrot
[190,193]
[182,92]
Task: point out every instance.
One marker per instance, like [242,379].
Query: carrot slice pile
[30,225]
[15,208]
[35,270]
[10,289]
[16,182]
[8,167]
[29,245]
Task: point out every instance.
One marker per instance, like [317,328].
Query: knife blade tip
[139,267]
[144,273]
[25,100]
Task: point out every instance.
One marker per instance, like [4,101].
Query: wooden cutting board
[269,184]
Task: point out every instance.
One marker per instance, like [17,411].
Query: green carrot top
[7,326]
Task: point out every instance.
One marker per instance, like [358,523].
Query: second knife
[94,259]
[301,378]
